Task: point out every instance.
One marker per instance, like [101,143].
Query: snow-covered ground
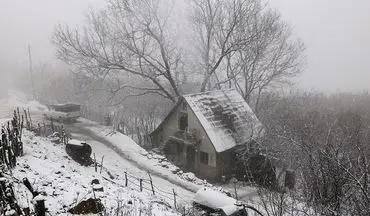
[154,163]
[65,182]
[15,100]
[120,165]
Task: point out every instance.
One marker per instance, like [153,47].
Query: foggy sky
[336,34]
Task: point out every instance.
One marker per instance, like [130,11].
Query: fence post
[126,180]
[19,115]
[101,164]
[52,125]
[29,116]
[141,185]
[96,167]
[174,198]
[151,183]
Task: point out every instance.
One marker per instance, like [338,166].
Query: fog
[337,39]
[335,33]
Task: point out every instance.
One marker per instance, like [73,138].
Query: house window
[183,121]
[204,157]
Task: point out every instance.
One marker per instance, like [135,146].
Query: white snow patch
[64,182]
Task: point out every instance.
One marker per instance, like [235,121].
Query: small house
[201,131]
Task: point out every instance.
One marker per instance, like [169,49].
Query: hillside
[66,183]
[126,175]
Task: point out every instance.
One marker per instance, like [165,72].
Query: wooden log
[174,198]
[126,180]
[141,185]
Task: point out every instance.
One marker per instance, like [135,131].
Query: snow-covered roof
[226,117]
[216,200]
[213,199]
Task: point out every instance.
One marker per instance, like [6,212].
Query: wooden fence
[11,147]
[141,184]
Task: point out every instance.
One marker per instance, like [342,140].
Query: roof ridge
[205,92]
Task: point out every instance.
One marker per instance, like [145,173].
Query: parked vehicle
[63,112]
[216,203]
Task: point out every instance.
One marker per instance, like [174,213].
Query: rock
[55,140]
[189,176]
[80,153]
[95,181]
[90,206]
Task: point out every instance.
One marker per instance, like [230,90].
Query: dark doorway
[190,157]
[183,122]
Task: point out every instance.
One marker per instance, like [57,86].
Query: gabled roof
[225,117]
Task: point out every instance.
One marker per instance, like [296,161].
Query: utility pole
[31,73]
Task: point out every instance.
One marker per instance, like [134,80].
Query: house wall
[209,170]
[168,129]
[171,126]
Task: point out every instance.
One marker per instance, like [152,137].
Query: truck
[63,112]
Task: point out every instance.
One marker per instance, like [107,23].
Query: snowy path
[114,157]
[5,111]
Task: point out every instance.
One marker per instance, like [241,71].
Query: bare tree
[130,38]
[327,147]
[273,57]
[244,44]
[219,29]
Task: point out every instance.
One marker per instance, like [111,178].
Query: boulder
[79,152]
[90,206]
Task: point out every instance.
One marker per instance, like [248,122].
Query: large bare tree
[237,43]
[128,39]
[244,44]
[274,57]
[219,31]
